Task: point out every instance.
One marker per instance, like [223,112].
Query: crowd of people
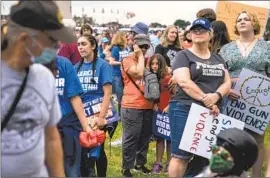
[41,128]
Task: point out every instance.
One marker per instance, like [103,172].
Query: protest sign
[161,125]
[253,107]
[92,106]
[201,130]
[227,12]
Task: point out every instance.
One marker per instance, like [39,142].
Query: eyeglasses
[199,31]
[145,46]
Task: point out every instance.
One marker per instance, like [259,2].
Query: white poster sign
[253,107]
[201,130]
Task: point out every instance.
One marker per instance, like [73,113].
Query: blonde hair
[254,21]
[164,37]
[119,39]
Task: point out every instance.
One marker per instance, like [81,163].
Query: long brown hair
[164,37]
[220,36]
[119,39]
[162,66]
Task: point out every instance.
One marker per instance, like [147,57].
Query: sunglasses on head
[144,46]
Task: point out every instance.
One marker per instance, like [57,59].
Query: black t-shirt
[208,74]
[167,52]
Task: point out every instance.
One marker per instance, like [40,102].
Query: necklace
[246,48]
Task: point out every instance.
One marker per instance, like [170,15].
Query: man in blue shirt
[73,118]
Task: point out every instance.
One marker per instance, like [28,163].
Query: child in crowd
[158,66]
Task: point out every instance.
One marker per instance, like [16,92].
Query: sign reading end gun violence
[202,128]
[253,107]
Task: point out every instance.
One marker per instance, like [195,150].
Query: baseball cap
[140,28]
[104,40]
[42,16]
[142,39]
[201,22]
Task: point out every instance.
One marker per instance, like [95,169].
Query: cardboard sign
[228,11]
[201,130]
[161,125]
[253,107]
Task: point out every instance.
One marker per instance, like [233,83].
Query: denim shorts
[178,114]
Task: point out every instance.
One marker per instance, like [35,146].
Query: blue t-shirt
[67,84]
[100,52]
[93,91]
[102,76]
[118,54]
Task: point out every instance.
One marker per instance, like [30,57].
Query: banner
[253,107]
[92,106]
[201,130]
[227,12]
[161,125]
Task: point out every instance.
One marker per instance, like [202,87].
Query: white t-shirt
[23,139]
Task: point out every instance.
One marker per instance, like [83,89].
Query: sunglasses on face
[145,46]
[199,31]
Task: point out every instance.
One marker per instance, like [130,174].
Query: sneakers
[127,173]
[166,168]
[142,169]
[157,168]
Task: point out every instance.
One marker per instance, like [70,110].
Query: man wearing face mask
[233,155]
[30,107]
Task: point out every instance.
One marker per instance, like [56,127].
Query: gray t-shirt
[208,74]
[23,139]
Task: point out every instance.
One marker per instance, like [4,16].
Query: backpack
[151,87]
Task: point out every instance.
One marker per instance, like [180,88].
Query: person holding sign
[233,154]
[95,76]
[251,53]
[158,66]
[202,79]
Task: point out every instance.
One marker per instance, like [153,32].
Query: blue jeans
[117,88]
[178,114]
[73,163]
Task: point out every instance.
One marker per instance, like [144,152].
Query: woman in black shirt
[202,79]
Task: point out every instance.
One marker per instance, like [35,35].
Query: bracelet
[219,94]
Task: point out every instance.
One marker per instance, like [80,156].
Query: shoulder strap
[131,78]
[15,102]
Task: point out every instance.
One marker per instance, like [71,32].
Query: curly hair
[254,20]
[164,37]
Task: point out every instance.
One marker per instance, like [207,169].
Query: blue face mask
[47,56]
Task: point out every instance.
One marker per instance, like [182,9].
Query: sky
[164,12]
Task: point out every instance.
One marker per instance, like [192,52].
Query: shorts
[178,114]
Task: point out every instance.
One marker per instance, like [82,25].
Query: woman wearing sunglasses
[251,53]
[136,112]
[233,154]
[202,79]
[170,44]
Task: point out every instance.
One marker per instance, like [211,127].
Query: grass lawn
[115,159]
